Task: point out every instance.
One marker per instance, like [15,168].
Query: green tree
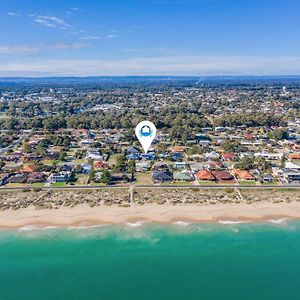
[106,177]
[278,134]
[26,147]
[62,156]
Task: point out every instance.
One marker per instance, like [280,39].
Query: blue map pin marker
[145,131]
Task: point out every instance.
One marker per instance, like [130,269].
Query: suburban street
[284,186]
[12,145]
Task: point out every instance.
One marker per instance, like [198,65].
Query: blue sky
[149,37]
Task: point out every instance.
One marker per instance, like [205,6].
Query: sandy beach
[86,216]
[87,208]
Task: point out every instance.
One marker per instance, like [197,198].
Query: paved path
[284,186]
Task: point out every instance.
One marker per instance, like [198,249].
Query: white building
[270,156]
[59,177]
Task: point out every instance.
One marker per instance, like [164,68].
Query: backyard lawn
[143,178]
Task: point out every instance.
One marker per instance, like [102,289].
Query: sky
[149,37]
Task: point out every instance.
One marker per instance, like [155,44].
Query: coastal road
[88,187]
[12,145]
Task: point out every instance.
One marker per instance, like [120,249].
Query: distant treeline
[250,120]
[176,123]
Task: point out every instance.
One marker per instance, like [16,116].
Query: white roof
[290,165]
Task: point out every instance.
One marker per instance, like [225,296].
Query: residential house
[292,166]
[243,175]
[205,175]
[212,156]
[79,132]
[180,165]
[148,156]
[160,166]
[133,156]
[290,175]
[196,166]
[86,168]
[59,177]
[120,178]
[161,176]
[177,149]
[269,156]
[182,176]
[29,168]
[36,177]
[86,142]
[141,167]
[12,167]
[4,177]
[132,151]
[228,156]
[222,175]
[247,154]
[294,156]
[94,154]
[267,178]
[17,178]
[220,129]
[177,156]
[204,143]
[99,165]
[52,154]
[67,167]
[216,165]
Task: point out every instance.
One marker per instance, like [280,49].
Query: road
[12,145]
[85,187]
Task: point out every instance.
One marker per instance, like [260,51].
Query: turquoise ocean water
[151,261]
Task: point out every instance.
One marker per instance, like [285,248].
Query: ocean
[142,261]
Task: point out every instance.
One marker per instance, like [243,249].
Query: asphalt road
[11,146]
[85,187]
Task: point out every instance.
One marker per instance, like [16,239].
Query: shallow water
[151,261]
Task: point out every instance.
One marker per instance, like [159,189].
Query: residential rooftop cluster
[88,157]
[210,134]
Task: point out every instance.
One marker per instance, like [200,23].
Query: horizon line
[149,76]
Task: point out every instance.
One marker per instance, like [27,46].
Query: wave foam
[83,227]
[136,224]
[278,221]
[233,222]
[181,223]
[35,227]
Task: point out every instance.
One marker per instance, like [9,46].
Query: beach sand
[84,215]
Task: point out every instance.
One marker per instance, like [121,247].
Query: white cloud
[17,49]
[70,46]
[36,49]
[111,36]
[90,37]
[52,22]
[96,37]
[13,14]
[174,65]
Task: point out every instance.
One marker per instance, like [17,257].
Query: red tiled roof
[294,156]
[228,156]
[99,165]
[177,149]
[249,136]
[205,175]
[29,169]
[222,175]
[243,174]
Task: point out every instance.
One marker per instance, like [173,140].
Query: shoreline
[165,206]
[84,216]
